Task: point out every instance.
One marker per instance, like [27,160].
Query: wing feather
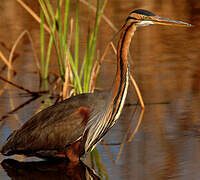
[97,127]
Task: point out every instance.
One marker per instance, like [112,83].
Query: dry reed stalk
[17,86]
[37,62]
[68,70]
[96,68]
[103,16]
[137,91]
[2,89]
[5,46]
[114,48]
[94,74]
[15,123]
[56,84]
[11,59]
[33,14]
[66,85]
[12,53]
[17,108]
[33,93]
[14,47]
[14,57]
[5,61]
[9,66]
[65,93]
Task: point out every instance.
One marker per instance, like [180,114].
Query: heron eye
[145,18]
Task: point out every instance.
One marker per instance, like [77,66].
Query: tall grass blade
[48,57]
[74,70]
[52,28]
[42,44]
[92,38]
[60,30]
[64,41]
[76,56]
[33,14]
[76,52]
[92,46]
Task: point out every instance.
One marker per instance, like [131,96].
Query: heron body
[74,126]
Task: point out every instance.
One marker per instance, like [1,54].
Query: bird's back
[55,127]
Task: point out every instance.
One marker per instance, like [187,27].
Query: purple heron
[74,126]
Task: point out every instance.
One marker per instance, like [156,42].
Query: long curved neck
[120,85]
[122,56]
[112,110]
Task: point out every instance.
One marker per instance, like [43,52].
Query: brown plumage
[76,125]
[56,130]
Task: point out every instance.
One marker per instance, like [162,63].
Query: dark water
[166,66]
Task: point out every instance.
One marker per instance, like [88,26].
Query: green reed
[58,25]
[42,42]
[58,37]
[50,17]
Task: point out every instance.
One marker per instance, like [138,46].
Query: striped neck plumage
[120,86]
[107,118]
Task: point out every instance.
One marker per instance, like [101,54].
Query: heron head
[144,18]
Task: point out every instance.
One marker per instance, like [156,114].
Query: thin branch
[33,14]
[18,107]
[103,16]
[5,61]
[137,91]
[22,88]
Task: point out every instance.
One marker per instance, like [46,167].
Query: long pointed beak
[169,22]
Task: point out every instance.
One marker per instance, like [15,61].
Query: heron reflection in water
[47,170]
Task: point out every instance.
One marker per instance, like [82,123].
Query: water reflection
[43,170]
